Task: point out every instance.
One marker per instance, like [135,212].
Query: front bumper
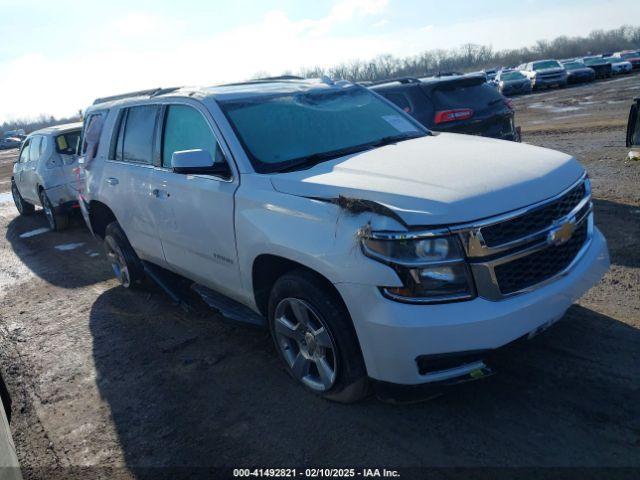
[393,335]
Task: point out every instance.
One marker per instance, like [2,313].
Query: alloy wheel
[306,344]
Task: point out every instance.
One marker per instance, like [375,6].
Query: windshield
[546,64]
[593,61]
[511,76]
[573,65]
[282,131]
[630,55]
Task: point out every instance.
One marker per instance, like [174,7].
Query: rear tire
[124,261]
[24,208]
[314,336]
[57,220]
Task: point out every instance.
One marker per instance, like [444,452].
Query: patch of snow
[6,197]
[33,233]
[68,246]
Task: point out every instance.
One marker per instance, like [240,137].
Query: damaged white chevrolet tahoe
[376,251]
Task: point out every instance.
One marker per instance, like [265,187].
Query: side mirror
[198,161]
[633,126]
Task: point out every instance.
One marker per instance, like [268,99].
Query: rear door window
[137,134]
[400,100]
[67,143]
[185,128]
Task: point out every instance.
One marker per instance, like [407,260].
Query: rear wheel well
[267,269]
[100,216]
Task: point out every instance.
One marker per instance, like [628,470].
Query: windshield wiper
[395,139]
[316,158]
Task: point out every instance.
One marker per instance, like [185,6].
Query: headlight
[432,269]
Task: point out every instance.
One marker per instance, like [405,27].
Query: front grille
[540,266]
[533,221]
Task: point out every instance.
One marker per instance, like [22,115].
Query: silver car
[45,174]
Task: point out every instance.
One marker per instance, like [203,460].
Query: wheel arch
[100,215]
[268,268]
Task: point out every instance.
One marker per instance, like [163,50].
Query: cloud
[380,23]
[142,51]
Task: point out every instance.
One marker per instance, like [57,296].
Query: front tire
[314,336]
[57,221]
[124,261]
[24,208]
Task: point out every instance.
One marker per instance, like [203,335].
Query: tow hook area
[407,394]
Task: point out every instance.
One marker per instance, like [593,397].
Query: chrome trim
[428,300]
[476,249]
[471,234]
[409,235]
[485,277]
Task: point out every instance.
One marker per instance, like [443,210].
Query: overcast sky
[57,56]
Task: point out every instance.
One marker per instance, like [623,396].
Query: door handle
[112,181]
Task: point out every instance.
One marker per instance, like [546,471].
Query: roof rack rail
[262,80]
[139,93]
[282,77]
[399,79]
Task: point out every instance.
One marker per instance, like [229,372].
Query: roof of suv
[58,129]
[432,81]
[277,85]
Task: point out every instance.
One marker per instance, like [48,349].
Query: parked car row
[335,218]
[549,73]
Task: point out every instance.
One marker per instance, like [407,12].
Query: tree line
[465,58]
[471,57]
[32,124]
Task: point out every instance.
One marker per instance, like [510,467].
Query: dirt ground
[126,381]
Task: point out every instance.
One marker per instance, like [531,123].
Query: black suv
[457,104]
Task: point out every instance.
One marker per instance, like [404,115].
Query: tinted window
[546,64]
[67,143]
[88,121]
[24,154]
[635,134]
[511,76]
[34,154]
[475,97]
[400,100]
[137,145]
[186,129]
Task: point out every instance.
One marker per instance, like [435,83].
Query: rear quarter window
[67,143]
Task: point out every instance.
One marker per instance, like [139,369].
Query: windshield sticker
[62,143]
[399,123]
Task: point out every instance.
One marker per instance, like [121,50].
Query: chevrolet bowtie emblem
[561,233]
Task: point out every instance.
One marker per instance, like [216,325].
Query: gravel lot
[125,381]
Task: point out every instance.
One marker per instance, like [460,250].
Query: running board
[168,283]
[229,308]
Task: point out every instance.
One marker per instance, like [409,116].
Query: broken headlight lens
[432,269]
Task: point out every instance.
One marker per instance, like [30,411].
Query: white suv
[377,252]
[45,174]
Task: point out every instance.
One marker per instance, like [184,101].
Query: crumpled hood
[441,179]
